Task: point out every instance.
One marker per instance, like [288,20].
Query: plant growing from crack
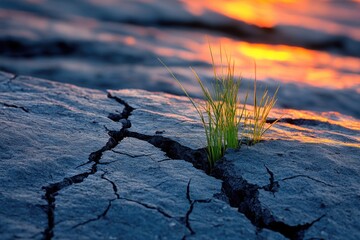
[255,122]
[222,111]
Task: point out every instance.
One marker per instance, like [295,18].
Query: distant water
[311,49]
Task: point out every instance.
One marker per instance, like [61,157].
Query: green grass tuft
[221,113]
[256,124]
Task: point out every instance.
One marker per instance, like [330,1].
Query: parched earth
[78,163]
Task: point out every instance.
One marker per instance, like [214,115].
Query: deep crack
[52,189]
[273,186]
[14,106]
[245,196]
[241,194]
[175,150]
[126,111]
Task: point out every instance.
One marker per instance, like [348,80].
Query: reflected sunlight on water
[269,13]
[282,63]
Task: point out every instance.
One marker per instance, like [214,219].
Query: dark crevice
[175,150]
[190,210]
[273,186]
[115,189]
[115,136]
[188,196]
[165,160]
[51,190]
[191,202]
[305,176]
[14,106]
[240,193]
[292,232]
[245,196]
[127,108]
[187,221]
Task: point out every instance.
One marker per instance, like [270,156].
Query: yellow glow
[284,63]
[288,64]
[268,13]
[258,12]
[265,52]
[246,11]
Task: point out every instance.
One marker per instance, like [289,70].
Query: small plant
[222,112]
[256,125]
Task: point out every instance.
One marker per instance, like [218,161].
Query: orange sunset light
[288,64]
[269,13]
[258,12]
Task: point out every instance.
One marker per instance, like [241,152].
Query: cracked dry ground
[83,164]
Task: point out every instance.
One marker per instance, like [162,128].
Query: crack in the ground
[126,111]
[14,106]
[305,176]
[118,197]
[115,136]
[115,188]
[149,206]
[245,196]
[100,216]
[165,160]
[175,150]
[190,210]
[132,155]
[103,214]
[241,194]
[52,190]
[273,186]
